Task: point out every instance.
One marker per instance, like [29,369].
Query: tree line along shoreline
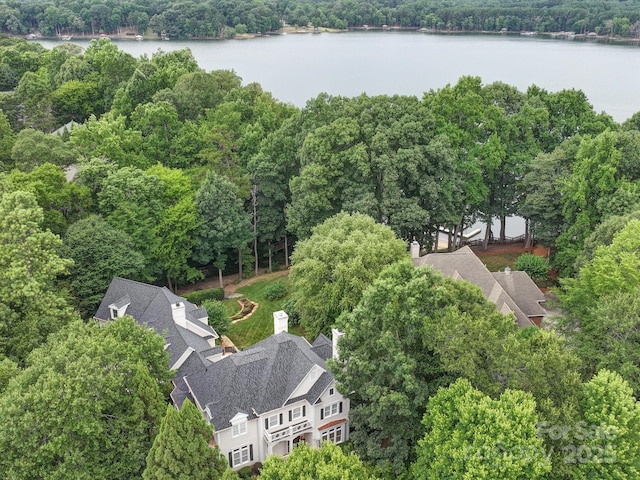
[182,169]
[220,19]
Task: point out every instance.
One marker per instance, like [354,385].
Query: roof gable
[260,379]
[152,306]
[463,264]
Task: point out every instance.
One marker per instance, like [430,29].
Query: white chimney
[335,336]
[415,249]
[507,270]
[178,311]
[280,322]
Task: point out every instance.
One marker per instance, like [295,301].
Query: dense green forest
[221,18]
[176,173]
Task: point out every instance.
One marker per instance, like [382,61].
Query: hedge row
[200,296]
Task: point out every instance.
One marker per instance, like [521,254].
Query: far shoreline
[132,36]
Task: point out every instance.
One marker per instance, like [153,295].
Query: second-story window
[331,410]
[238,429]
[296,413]
[274,421]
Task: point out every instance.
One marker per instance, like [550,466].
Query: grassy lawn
[260,324]
[497,262]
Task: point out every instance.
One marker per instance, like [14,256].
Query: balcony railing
[287,432]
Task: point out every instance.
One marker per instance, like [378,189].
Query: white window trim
[240,453]
[296,412]
[331,410]
[238,429]
[332,391]
[338,429]
[274,420]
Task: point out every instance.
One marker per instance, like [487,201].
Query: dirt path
[231,283]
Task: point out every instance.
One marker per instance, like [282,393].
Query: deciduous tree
[224,223]
[413,331]
[336,264]
[614,269]
[62,202]
[608,441]
[470,435]
[33,148]
[99,252]
[88,404]
[325,463]
[30,305]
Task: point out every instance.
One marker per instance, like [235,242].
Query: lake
[296,67]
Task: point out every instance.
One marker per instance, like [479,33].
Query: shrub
[289,306]
[218,318]
[200,296]
[245,472]
[536,267]
[275,291]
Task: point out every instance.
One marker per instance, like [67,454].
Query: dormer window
[239,424]
[239,428]
[296,413]
[118,309]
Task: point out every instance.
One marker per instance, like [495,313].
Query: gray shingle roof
[464,264]
[151,305]
[524,292]
[122,302]
[323,347]
[259,379]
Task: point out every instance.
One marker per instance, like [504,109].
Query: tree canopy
[328,462]
[332,268]
[399,346]
[181,448]
[30,305]
[470,435]
[95,397]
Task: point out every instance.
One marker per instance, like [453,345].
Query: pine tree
[181,449]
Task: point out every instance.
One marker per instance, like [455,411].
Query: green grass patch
[498,262]
[260,324]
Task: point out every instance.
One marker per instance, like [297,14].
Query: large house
[261,401]
[512,291]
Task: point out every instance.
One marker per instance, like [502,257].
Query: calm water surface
[296,68]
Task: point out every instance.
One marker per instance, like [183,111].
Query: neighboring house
[66,128]
[261,401]
[190,340]
[512,292]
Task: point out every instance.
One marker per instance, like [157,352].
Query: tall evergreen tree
[181,450]
[30,306]
[224,223]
